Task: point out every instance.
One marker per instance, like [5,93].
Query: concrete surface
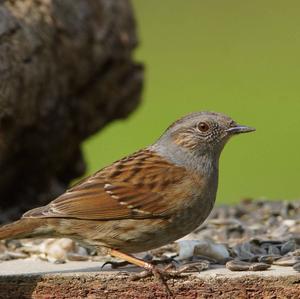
[38,267]
[37,279]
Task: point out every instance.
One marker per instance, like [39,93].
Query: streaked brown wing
[134,187]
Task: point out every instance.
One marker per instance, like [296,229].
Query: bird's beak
[239,129]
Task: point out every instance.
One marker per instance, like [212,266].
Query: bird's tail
[23,228]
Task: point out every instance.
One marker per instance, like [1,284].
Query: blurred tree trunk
[66,70]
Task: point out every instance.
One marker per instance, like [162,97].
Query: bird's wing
[135,187]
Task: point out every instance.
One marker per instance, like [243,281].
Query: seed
[268,259]
[259,267]
[287,247]
[236,265]
[297,267]
[287,261]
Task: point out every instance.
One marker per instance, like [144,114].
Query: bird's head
[203,132]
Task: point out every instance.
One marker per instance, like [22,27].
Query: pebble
[205,248]
[59,250]
[289,222]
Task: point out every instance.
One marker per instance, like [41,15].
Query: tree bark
[66,70]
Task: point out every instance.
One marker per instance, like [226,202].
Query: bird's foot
[160,274]
[171,271]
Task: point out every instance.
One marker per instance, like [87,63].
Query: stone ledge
[37,279]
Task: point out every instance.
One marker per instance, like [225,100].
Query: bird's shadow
[96,269]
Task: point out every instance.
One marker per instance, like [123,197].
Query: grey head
[198,138]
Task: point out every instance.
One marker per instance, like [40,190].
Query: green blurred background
[236,57]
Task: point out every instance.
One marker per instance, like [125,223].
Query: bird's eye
[203,127]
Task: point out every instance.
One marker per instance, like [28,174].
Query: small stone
[206,248]
[81,251]
[289,222]
[57,249]
[13,244]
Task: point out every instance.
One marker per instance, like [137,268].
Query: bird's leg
[147,258]
[150,269]
[131,259]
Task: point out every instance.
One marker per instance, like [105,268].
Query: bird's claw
[160,274]
[172,270]
[167,260]
[115,265]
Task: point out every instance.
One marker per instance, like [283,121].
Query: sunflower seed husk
[268,259]
[273,250]
[77,257]
[296,267]
[296,252]
[5,257]
[17,255]
[236,265]
[287,261]
[259,266]
[197,266]
[288,247]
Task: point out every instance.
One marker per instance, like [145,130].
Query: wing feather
[134,187]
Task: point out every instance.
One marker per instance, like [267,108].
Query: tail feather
[23,228]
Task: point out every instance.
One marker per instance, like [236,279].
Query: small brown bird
[148,199]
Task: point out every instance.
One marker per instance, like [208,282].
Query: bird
[143,201]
